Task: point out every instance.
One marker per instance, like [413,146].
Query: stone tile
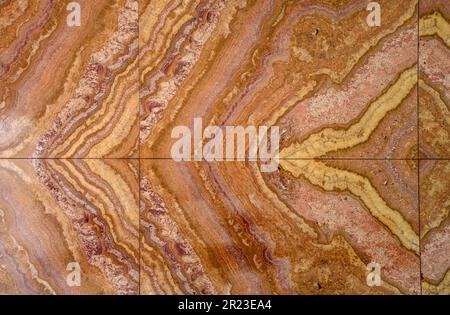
[335,86]
[69,91]
[434,80]
[310,228]
[435,226]
[58,217]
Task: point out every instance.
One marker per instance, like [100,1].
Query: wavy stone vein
[55,212]
[69,91]
[339,90]
[86,175]
[434,128]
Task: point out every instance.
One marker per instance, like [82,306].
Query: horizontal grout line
[237,160]
[50,158]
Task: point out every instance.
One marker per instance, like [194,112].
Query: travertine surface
[87,176]
[226,228]
[435,225]
[69,91]
[434,140]
[434,81]
[55,212]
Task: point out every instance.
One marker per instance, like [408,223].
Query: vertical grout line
[139,218]
[139,142]
[418,144]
